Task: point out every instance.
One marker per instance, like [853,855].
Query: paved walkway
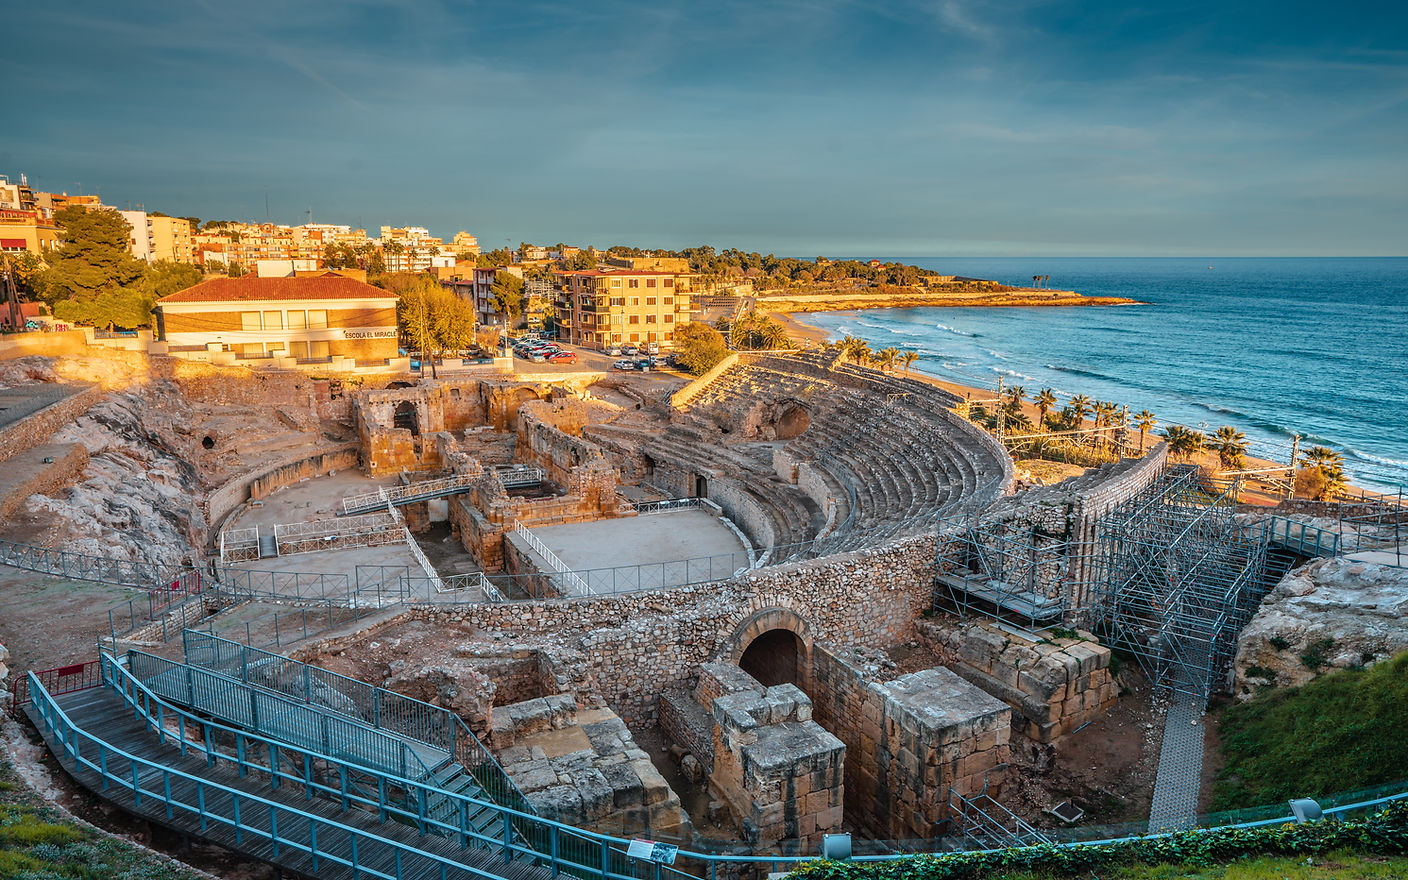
[1175,804]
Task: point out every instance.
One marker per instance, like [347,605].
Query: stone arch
[792,420]
[773,633]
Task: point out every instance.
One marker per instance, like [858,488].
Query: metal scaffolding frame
[1175,578]
[1007,570]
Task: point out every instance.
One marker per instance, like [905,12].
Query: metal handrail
[388,710]
[551,559]
[69,736]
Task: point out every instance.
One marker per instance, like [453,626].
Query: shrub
[1279,643]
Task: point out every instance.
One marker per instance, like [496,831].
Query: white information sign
[649,850]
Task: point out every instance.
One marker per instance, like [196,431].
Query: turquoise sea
[1315,346]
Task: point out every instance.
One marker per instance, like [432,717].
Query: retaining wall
[38,427]
[260,482]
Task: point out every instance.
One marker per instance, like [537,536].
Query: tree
[1322,477]
[698,347]
[1080,405]
[432,319]
[1145,422]
[885,358]
[93,256]
[215,267]
[856,349]
[908,358]
[774,335]
[507,295]
[1045,401]
[1015,395]
[1184,443]
[1230,446]
[166,277]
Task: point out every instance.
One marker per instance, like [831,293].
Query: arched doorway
[775,657]
[405,417]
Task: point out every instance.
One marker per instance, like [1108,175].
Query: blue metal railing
[1303,538]
[378,707]
[154,782]
[296,724]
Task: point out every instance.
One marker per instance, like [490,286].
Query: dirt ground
[49,621]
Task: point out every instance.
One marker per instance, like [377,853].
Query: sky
[942,128]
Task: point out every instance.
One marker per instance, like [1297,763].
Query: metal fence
[59,680]
[81,566]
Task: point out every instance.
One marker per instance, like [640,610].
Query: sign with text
[368,334]
[664,853]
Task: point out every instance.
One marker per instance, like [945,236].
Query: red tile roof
[250,288]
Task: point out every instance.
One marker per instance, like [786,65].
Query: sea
[1271,346]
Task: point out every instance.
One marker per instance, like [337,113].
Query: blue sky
[947,128]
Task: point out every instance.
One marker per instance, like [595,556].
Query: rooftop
[251,288]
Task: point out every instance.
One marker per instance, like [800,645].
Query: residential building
[463,242]
[26,231]
[677,265]
[310,318]
[17,196]
[171,238]
[601,308]
[477,287]
[50,204]
[140,238]
[412,249]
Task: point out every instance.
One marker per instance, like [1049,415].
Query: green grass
[39,843]
[1338,865]
[1340,732]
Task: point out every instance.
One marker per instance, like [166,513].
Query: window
[650,282]
[635,319]
[635,337]
[317,319]
[635,282]
[650,300]
[669,282]
[618,300]
[650,319]
[669,300]
[651,337]
[250,321]
[669,337]
[615,337]
[669,319]
[615,282]
[273,320]
[318,349]
[635,300]
[297,321]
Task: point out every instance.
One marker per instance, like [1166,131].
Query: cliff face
[1330,614]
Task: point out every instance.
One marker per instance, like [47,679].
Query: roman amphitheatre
[505,623]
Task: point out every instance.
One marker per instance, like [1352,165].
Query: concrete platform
[648,541]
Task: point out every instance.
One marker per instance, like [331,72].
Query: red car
[563,357]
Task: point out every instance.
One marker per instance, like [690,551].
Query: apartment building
[601,308]
[463,242]
[22,231]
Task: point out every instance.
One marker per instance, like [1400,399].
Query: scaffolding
[1175,578]
[1009,570]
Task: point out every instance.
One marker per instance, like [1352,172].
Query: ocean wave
[1357,455]
[955,330]
[1014,374]
[873,326]
[997,354]
[1225,410]
[1077,371]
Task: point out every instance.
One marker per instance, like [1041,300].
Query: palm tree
[775,335]
[1145,421]
[857,349]
[1322,458]
[1335,483]
[1230,446]
[886,358]
[1045,400]
[1080,405]
[1015,395]
[908,358]
[1183,443]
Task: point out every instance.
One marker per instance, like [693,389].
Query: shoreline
[1017,297]
[809,335]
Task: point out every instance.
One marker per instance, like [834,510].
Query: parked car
[630,350]
[624,365]
[562,357]
[613,350]
[537,357]
[652,348]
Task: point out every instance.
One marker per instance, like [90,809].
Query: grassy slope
[1339,865]
[39,843]
[1340,732]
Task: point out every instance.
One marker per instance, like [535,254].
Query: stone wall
[681,398]
[38,427]
[637,645]
[908,742]
[69,461]
[57,344]
[260,482]
[549,436]
[1056,685]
